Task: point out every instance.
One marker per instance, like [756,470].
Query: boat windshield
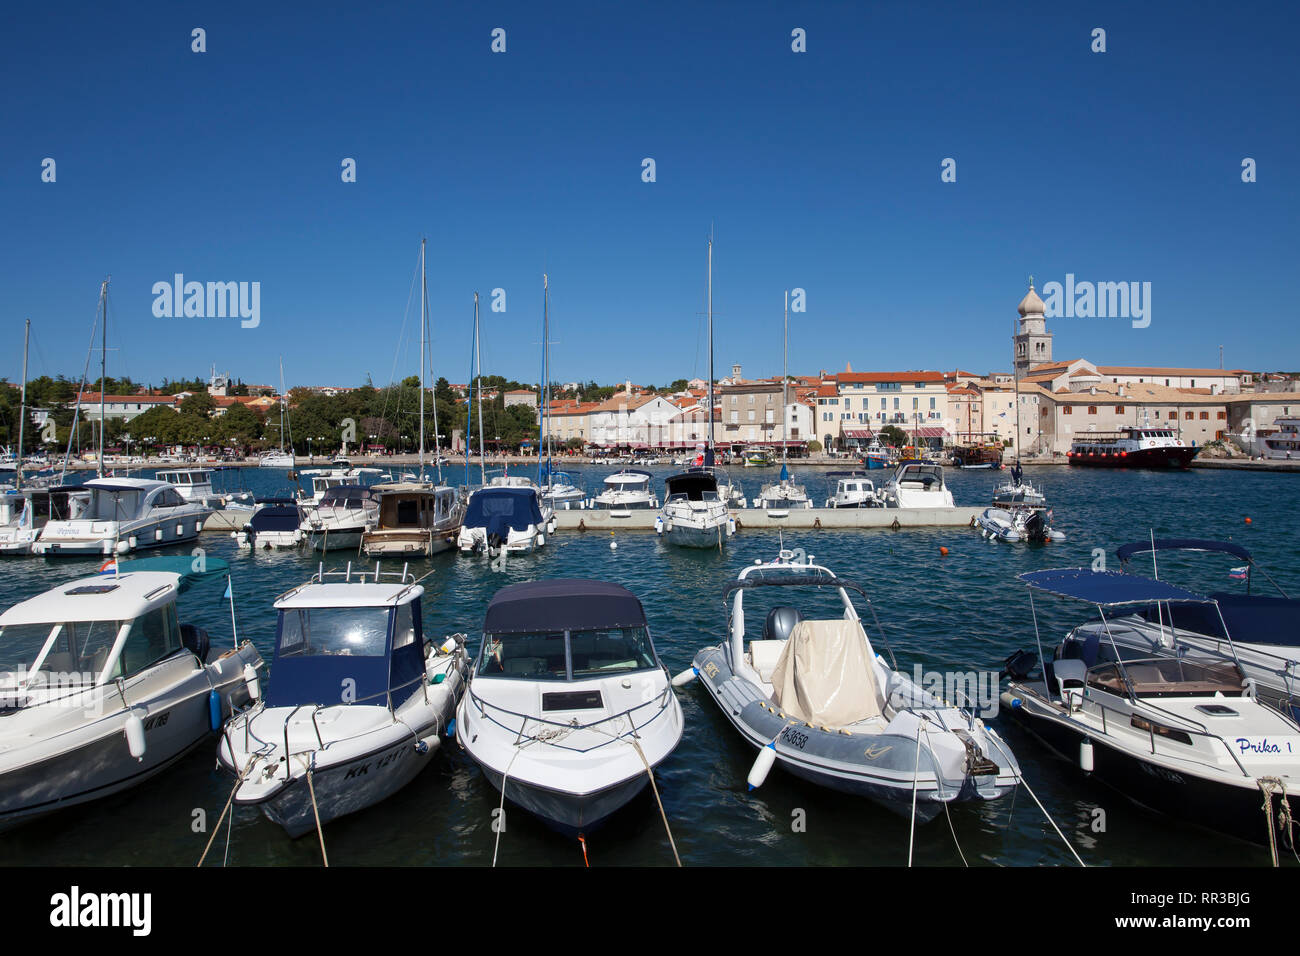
[1168,677]
[567,655]
[79,651]
[346,631]
[114,504]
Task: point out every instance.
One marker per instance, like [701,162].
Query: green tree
[893,436]
[200,404]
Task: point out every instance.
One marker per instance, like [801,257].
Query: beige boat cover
[824,675]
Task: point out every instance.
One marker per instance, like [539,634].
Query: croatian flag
[1239,574]
[109,567]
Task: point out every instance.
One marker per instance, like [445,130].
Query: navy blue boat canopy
[1107,588]
[693,483]
[500,508]
[562,604]
[1126,551]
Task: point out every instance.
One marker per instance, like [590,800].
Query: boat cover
[824,675]
[499,509]
[1106,588]
[693,484]
[191,570]
[562,604]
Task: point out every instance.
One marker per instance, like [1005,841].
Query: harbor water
[956,613]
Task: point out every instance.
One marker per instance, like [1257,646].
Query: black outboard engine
[1036,526]
[195,639]
[1019,665]
[780,623]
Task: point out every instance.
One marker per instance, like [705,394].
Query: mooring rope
[229,800]
[501,814]
[663,815]
[911,836]
[1021,781]
[316,811]
[951,829]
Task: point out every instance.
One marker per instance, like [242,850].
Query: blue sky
[818,170]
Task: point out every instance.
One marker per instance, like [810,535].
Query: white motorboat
[624,491]
[341,518]
[801,682]
[24,514]
[694,514]
[357,704]
[101,686]
[415,518]
[917,485]
[1019,513]
[1182,735]
[195,484]
[504,517]
[274,523]
[853,489]
[569,708]
[563,492]
[276,459]
[324,480]
[124,515]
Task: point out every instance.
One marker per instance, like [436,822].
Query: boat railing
[660,700]
[1187,725]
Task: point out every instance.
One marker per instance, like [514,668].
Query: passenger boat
[802,684]
[978,456]
[569,708]
[1131,447]
[274,523]
[124,515]
[758,458]
[917,485]
[694,514]
[414,518]
[506,518]
[853,489]
[626,490]
[1283,443]
[357,704]
[1182,735]
[1260,632]
[102,687]
[24,514]
[341,519]
[875,456]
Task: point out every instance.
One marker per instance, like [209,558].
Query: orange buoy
[943,551]
[1247,521]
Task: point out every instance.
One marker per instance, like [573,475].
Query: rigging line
[72,432]
[501,808]
[319,832]
[397,352]
[1020,778]
[238,783]
[946,811]
[916,766]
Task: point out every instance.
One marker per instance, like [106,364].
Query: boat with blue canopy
[498,518]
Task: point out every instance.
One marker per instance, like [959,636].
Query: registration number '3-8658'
[795,738]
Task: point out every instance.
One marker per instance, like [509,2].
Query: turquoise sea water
[963,611]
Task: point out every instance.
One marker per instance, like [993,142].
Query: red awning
[858,433]
[928,432]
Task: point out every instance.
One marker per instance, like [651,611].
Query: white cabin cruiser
[563,492]
[569,707]
[504,517]
[276,459]
[124,515]
[626,490]
[415,518]
[195,484]
[24,514]
[357,703]
[274,523]
[917,485]
[694,514]
[342,517]
[800,680]
[1183,735]
[101,687]
[853,489]
[783,494]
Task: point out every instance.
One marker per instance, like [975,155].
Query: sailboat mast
[478,371]
[424,298]
[546,379]
[22,414]
[785,371]
[708,451]
[469,404]
[103,368]
[282,404]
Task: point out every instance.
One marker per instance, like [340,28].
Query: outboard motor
[195,640]
[780,623]
[1019,665]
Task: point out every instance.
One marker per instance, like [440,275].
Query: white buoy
[122,547]
[613,545]
[135,735]
[762,766]
[251,682]
[685,677]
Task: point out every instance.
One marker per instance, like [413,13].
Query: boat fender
[448,646]
[135,735]
[1010,701]
[426,744]
[659,525]
[731,525]
[1085,756]
[451,727]
[541,540]
[251,682]
[157,534]
[762,766]
[214,710]
[685,677]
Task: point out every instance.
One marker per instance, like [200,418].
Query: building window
[1119,409]
[932,401]
[1068,410]
[751,414]
[1092,409]
[1205,416]
[735,416]
[1187,415]
[916,403]
[751,399]
[1173,415]
[1223,416]
[895,404]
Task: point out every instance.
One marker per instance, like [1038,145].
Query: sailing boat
[1019,511]
[420,517]
[560,490]
[695,512]
[506,515]
[281,458]
[784,493]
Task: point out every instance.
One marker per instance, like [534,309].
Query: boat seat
[1070,674]
[764,655]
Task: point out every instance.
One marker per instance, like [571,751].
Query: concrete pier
[830,519]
